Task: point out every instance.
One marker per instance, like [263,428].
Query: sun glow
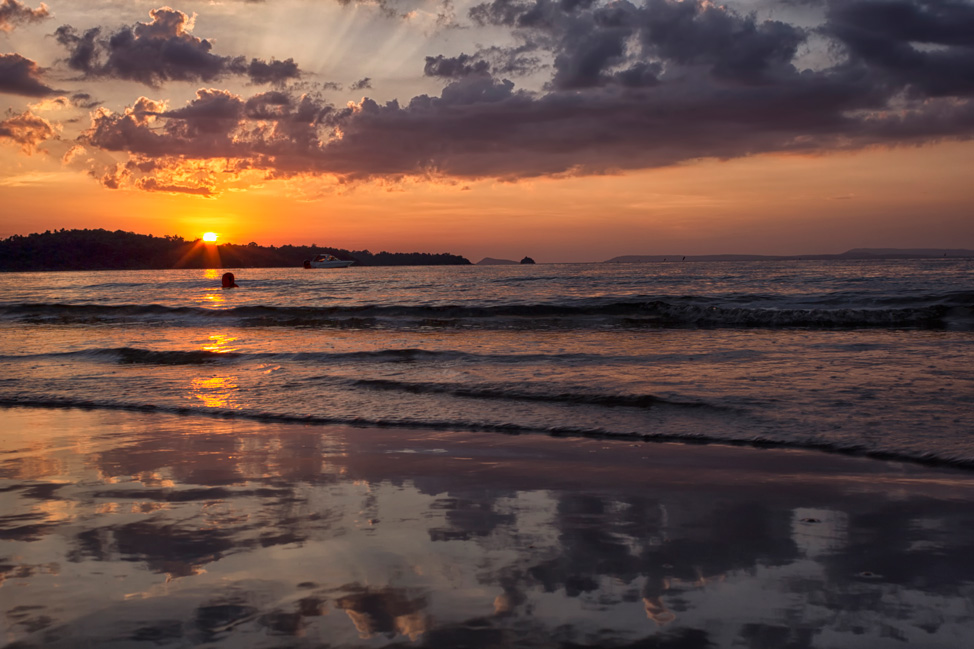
[210,237]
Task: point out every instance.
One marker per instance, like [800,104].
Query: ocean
[580,456]
[868,357]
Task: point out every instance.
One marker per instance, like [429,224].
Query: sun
[210,237]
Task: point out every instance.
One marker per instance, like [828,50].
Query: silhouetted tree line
[118,250]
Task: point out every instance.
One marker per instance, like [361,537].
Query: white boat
[327,261]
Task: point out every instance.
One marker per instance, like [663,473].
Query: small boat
[327,261]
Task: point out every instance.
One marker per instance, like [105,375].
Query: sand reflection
[226,532]
[388,611]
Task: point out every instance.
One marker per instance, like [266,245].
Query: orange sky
[566,158]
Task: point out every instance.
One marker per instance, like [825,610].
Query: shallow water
[865,357]
[155,530]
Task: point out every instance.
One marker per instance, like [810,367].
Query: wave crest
[945,311]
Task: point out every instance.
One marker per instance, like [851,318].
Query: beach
[485,325]
[134,529]
[746,454]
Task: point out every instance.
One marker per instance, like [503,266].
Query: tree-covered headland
[118,250]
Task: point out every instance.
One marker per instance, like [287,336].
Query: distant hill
[863,253]
[855,253]
[490,261]
[118,250]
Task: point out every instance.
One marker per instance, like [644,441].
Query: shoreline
[271,419]
[152,529]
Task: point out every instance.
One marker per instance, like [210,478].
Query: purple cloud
[455,67]
[162,50]
[27,130]
[14,12]
[630,87]
[887,38]
[21,76]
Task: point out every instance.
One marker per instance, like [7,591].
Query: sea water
[873,357]
[467,457]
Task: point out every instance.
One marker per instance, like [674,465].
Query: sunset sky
[567,130]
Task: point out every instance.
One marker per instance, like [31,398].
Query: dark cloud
[514,61]
[82,47]
[499,12]
[84,100]
[273,72]
[27,130]
[631,87]
[21,76]
[14,12]
[455,67]
[626,44]
[405,9]
[202,129]
[268,105]
[584,54]
[150,184]
[733,46]
[210,105]
[361,84]
[924,45]
[162,50]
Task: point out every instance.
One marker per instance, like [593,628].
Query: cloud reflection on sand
[177,530]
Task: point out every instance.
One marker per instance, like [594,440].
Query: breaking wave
[137,356]
[508,394]
[953,311]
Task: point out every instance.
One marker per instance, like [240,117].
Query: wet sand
[122,529]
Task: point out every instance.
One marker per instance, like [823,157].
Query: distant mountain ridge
[855,253]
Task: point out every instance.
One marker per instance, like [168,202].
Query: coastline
[135,529]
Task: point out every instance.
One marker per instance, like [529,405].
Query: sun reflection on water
[219,344]
[214,295]
[214,298]
[216,392]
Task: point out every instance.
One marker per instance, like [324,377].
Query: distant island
[490,261]
[118,250]
[855,253]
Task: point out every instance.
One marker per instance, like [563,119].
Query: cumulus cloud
[51,104]
[630,87]
[621,43]
[21,76]
[162,50]
[14,12]
[27,130]
[272,72]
